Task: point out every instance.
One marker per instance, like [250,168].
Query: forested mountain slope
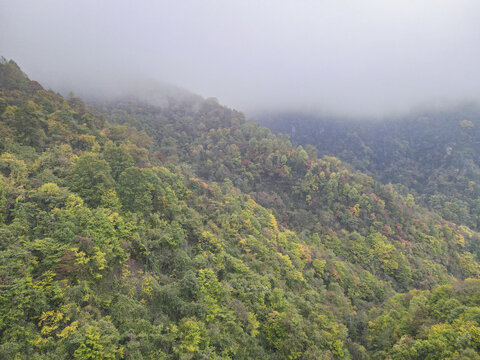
[132,231]
[434,153]
[315,197]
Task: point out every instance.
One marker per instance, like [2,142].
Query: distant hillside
[183,231]
[435,154]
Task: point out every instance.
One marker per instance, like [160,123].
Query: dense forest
[434,153]
[130,230]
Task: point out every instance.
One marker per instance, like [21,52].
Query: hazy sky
[363,56]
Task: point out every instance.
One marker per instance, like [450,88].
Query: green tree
[90,178]
[118,158]
[138,189]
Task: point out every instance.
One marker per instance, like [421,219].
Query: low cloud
[352,57]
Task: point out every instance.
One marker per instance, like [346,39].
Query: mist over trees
[212,237]
[356,58]
[144,216]
[433,153]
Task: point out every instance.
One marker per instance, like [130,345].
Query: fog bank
[349,57]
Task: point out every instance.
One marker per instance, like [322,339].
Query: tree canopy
[211,237]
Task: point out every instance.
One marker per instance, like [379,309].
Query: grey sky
[364,56]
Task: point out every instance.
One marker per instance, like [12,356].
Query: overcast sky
[356,57]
